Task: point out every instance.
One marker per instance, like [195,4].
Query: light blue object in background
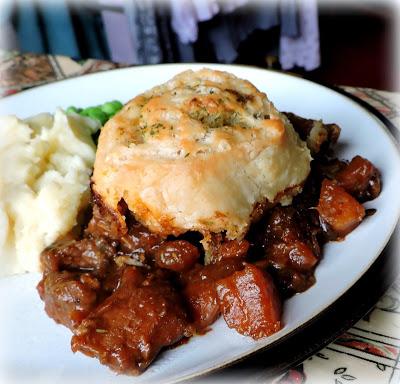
[5,11]
[8,37]
[59,29]
[28,31]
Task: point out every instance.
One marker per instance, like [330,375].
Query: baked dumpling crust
[198,153]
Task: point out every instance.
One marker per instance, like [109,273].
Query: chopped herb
[154,128]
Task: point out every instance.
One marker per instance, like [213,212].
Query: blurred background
[351,43]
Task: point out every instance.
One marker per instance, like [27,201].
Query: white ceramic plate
[33,348]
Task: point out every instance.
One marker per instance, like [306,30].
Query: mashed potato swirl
[45,167]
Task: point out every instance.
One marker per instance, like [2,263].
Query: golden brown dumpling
[198,153]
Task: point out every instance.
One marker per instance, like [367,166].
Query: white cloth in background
[231,5]
[303,50]
[205,9]
[184,20]
[133,35]
[185,15]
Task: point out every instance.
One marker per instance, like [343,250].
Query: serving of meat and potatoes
[205,200]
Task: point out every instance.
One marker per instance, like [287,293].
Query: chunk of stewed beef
[138,239]
[176,255]
[315,133]
[105,222]
[69,297]
[360,178]
[88,254]
[221,248]
[130,327]
[291,247]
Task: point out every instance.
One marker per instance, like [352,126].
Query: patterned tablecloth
[369,352]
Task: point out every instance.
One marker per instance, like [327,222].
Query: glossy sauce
[127,293]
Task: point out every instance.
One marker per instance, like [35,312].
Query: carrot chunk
[200,290]
[250,303]
[339,209]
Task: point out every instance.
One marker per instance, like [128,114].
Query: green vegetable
[101,113]
[73,109]
[95,113]
[111,108]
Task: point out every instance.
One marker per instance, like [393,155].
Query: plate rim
[387,127]
[311,322]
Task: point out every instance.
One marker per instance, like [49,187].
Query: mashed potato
[45,167]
